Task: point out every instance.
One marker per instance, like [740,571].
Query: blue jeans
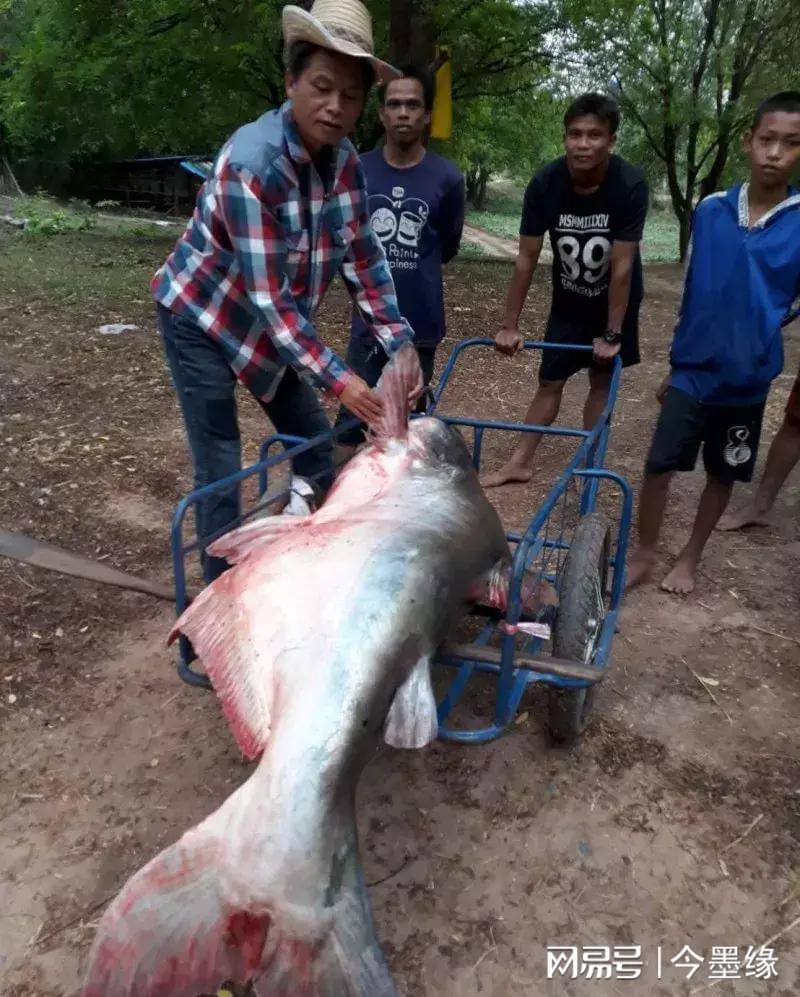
[367,358]
[205,383]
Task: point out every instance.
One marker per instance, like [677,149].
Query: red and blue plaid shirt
[264,243]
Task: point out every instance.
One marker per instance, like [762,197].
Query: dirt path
[675,822]
[494,245]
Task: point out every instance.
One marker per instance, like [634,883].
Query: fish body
[318,641]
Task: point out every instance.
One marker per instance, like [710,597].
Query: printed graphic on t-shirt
[399,221]
[737,450]
[583,247]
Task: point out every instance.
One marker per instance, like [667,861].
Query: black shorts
[729,433]
[559,365]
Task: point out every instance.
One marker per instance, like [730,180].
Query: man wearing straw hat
[282,212]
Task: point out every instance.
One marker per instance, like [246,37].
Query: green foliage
[499,47]
[85,79]
[512,135]
[45,217]
[91,79]
[687,73]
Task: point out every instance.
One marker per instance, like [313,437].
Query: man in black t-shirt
[593,204]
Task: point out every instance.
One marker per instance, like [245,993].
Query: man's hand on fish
[362,401]
[416,391]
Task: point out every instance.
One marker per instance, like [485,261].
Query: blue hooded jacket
[740,285]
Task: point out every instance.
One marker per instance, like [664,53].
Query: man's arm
[508,340]
[619,291]
[623,255]
[451,226]
[626,235]
[258,240]
[532,228]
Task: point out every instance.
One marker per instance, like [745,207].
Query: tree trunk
[471,183]
[710,181]
[412,33]
[483,179]
[684,230]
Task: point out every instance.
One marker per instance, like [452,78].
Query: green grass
[471,251]
[498,223]
[660,238]
[83,268]
[504,205]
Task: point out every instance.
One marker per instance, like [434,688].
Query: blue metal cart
[569,544]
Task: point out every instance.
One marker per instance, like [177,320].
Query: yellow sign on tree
[442,115]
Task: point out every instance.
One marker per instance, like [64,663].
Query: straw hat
[341,25]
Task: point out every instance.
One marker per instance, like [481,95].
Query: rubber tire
[586,561]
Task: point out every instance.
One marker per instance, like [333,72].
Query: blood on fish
[244,896]
[248,933]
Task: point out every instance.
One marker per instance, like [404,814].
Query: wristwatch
[612,337]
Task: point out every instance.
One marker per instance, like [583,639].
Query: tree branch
[711,12]
[631,108]
[165,24]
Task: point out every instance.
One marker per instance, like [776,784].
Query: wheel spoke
[594,624]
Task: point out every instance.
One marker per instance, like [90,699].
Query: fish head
[438,445]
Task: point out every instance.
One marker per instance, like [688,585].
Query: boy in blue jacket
[742,276]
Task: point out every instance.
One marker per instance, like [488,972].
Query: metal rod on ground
[543,666]
[43,555]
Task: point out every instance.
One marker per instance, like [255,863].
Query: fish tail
[181,928]
[169,931]
[353,963]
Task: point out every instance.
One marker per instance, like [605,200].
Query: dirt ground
[674,822]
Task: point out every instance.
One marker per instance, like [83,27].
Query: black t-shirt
[582,228]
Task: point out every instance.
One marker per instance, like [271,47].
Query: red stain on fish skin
[248,933]
[242,934]
[302,960]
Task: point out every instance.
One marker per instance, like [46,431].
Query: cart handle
[528,344]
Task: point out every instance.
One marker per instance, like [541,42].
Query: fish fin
[412,721]
[240,676]
[492,590]
[182,925]
[239,543]
[352,964]
[398,379]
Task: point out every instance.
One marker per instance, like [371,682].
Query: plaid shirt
[264,243]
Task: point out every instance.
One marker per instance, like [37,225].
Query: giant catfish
[318,642]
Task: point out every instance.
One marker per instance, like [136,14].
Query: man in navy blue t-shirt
[416,205]
[742,277]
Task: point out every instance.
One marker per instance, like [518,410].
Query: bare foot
[681,580]
[748,515]
[508,473]
[640,567]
